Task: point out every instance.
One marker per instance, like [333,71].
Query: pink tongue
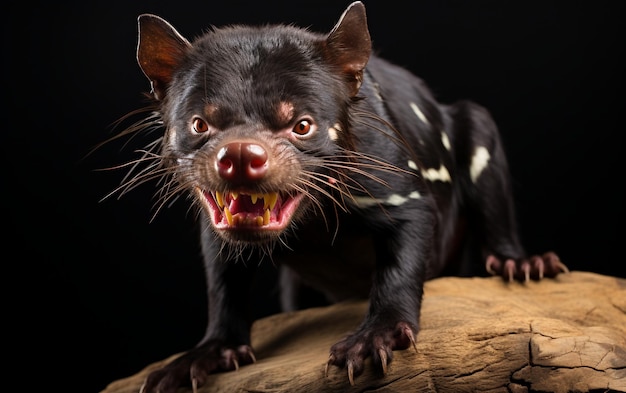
[244,204]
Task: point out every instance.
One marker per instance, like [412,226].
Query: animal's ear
[159,51]
[348,45]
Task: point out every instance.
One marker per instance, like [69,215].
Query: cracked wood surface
[477,334]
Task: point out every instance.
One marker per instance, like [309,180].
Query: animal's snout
[242,162]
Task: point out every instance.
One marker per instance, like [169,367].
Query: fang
[228,215]
[219,198]
[266,217]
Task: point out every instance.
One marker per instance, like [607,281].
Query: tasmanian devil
[308,151]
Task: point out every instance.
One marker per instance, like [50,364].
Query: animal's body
[307,151]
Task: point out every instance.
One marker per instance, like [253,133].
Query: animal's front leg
[392,321]
[226,344]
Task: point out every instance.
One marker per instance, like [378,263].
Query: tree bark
[477,335]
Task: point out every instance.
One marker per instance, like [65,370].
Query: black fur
[381,173]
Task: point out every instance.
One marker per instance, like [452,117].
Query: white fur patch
[440,174]
[412,165]
[363,201]
[418,112]
[445,140]
[415,195]
[332,133]
[480,159]
[396,200]
[391,200]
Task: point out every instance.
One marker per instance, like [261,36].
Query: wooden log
[477,334]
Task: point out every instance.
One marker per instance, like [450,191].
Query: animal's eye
[303,127]
[200,125]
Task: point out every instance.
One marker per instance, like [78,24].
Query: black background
[105,288]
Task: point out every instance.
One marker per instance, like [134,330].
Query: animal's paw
[193,367]
[377,342]
[535,267]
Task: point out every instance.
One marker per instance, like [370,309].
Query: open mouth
[252,211]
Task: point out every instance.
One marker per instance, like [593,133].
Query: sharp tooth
[234,195]
[266,217]
[259,221]
[229,216]
[219,198]
[254,197]
[270,200]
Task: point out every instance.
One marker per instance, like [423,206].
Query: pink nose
[241,162]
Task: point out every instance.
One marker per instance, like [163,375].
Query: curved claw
[412,339]
[383,359]
[331,360]
[539,266]
[409,333]
[509,265]
[351,372]
[554,263]
[491,260]
[244,352]
[562,266]
[194,385]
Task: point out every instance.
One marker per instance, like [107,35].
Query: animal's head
[256,118]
